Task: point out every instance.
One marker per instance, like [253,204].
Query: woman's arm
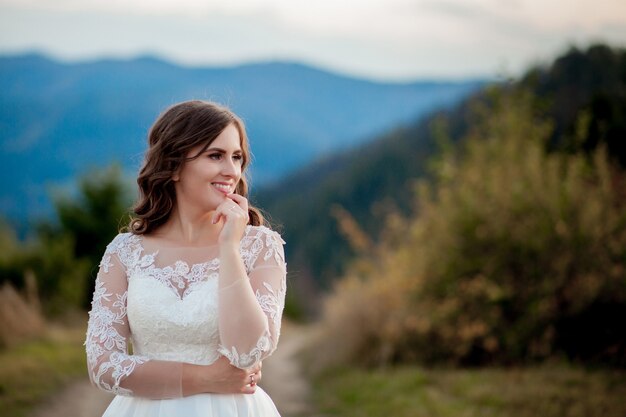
[220,377]
[250,305]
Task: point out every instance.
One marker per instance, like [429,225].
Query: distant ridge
[381,174]
[60,119]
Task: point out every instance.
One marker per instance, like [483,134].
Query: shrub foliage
[63,256]
[512,254]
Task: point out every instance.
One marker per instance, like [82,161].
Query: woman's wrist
[228,248]
[194,379]
[189,379]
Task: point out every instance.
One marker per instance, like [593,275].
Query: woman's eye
[238,157]
[215,156]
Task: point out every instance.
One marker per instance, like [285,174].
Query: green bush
[64,253]
[512,255]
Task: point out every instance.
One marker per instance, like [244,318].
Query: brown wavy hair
[178,130]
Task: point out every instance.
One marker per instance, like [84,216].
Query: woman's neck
[190,229]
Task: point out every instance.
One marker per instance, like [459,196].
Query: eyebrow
[222,150]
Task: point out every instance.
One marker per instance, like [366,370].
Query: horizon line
[51,56]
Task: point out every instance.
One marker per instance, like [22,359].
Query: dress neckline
[142,242]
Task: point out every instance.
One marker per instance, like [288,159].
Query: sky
[393,40]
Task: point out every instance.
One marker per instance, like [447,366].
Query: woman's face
[205,181]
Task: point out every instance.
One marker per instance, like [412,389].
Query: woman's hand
[220,377]
[234,211]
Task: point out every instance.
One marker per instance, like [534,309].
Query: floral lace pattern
[252,245]
[246,360]
[273,302]
[270,300]
[173,328]
[181,277]
[101,330]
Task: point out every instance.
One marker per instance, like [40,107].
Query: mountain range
[59,120]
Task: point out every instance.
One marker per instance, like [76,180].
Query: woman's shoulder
[263,232]
[122,241]
[260,243]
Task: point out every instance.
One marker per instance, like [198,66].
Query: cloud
[375,38]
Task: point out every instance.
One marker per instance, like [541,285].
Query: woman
[198,283]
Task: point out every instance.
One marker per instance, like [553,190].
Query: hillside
[60,119]
[368,180]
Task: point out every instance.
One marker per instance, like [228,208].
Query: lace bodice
[167,302]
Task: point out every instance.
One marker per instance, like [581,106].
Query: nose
[230,168]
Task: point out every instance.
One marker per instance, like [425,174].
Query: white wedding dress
[168,303]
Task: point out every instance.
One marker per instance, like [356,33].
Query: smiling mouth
[224,188]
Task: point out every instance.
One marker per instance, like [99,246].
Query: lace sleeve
[264,258]
[109,363]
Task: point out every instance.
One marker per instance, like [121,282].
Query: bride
[197,284]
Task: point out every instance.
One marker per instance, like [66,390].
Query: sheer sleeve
[245,340]
[109,363]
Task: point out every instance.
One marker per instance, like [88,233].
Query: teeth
[222,187]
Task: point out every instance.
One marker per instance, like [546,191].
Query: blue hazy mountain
[58,120]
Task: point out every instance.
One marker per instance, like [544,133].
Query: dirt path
[282,379]
[282,374]
[79,399]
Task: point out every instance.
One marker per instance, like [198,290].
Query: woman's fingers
[223,378]
[240,200]
[234,204]
[220,211]
[250,382]
[234,212]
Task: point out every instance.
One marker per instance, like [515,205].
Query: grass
[32,371]
[551,391]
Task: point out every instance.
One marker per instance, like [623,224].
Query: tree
[88,222]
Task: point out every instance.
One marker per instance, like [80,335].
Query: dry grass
[20,319]
[31,371]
